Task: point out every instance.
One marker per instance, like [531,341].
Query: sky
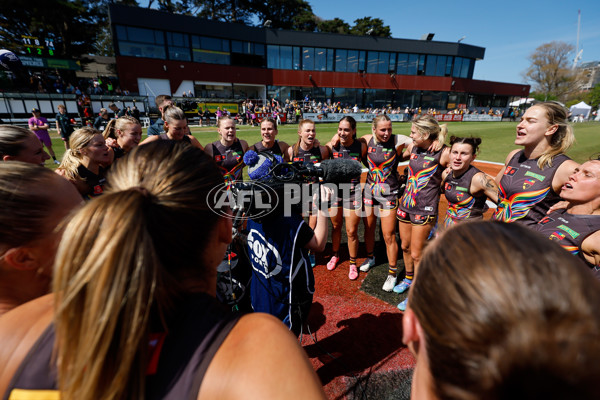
[508,30]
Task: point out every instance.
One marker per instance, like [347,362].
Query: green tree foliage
[335,25]
[550,70]
[284,14]
[374,25]
[593,97]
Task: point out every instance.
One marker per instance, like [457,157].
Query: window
[402,66]
[247,54]
[372,61]
[413,63]
[383,65]
[320,59]
[139,42]
[352,61]
[272,57]
[341,57]
[179,46]
[330,59]
[392,64]
[430,65]
[361,60]
[210,50]
[296,60]
[308,58]
[285,57]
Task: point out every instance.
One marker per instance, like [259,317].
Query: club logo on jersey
[372,149]
[447,186]
[337,155]
[413,156]
[510,171]
[219,158]
[545,220]
[570,231]
[528,183]
[557,236]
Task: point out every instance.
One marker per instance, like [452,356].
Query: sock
[409,276]
[392,270]
[54,158]
[352,260]
[371,255]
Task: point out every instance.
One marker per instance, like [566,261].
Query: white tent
[521,102]
[581,109]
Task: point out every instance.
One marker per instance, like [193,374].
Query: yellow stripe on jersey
[27,394]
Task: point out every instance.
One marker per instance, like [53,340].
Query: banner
[449,117]
[481,117]
[359,117]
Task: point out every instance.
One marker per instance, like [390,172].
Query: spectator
[162,101]
[102,120]
[63,125]
[39,126]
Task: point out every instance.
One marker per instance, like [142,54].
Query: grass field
[498,137]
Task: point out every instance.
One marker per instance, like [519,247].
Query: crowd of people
[121,246]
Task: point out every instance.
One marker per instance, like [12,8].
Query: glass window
[383,64]
[285,57]
[413,61]
[320,59]
[329,59]
[138,42]
[121,32]
[210,50]
[440,68]
[372,61]
[259,49]
[402,67]
[236,46]
[308,58]
[421,65]
[272,57]
[430,65]
[296,60]
[179,47]
[340,60]
[449,60]
[140,35]
[361,60]
[352,61]
[457,66]
[392,65]
[464,72]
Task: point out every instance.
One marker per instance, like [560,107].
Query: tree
[550,70]
[335,25]
[284,14]
[374,25]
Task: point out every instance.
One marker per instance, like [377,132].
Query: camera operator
[278,243]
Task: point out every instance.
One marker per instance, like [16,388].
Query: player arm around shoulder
[260,359]
[591,249]
[195,142]
[562,174]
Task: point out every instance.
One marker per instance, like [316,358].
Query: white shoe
[389,284]
[367,265]
[56,162]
